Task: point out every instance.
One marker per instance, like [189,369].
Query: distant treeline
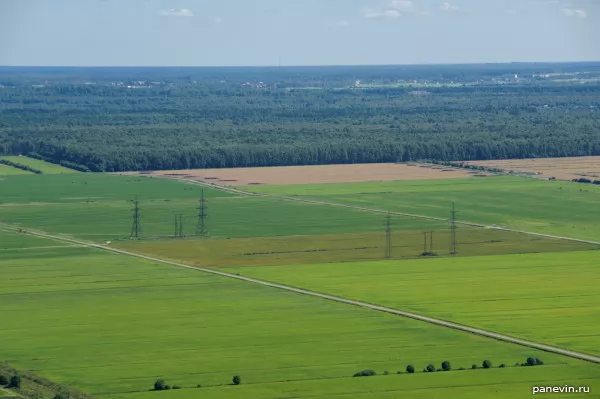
[179,122]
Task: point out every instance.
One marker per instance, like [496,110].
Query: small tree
[487,364]
[502,365]
[237,380]
[3,380]
[15,382]
[531,361]
[430,368]
[61,396]
[539,362]
[446,366]
[410,369]
[474,367]
[159,385]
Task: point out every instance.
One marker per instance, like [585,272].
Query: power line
[180,232]
[453,228]
[136,227]
[202,216]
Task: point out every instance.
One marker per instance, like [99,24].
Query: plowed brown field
[559,168]
[313,174]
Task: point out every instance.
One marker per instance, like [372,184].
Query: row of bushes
[161,385]
[19,166]
[586,181]
[446,366]
[12,382]
[66,164]
[466,166]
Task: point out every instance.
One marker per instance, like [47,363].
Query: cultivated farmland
[130,322]
[290,175]
[548,207]
[43,166]
[567,168]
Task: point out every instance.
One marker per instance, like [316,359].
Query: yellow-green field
[6,170]
[45,167]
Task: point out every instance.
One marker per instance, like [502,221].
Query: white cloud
[342,24]
[577,13]
[449,7]
[393,9]
[181,12]
[218,20]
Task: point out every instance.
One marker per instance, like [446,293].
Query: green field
[550,207]
[349,247]
[45,167]
[549,298]
[110,325]
[6,170]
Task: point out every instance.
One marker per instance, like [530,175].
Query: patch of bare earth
[281,175]
[559,168]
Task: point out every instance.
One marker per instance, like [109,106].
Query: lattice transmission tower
[202,216]
[136,227]
[453,228]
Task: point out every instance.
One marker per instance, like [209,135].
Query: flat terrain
[548,207]
[313,174]
[349,247]
[45,167]
[549,298]
[131,321]
[567,168]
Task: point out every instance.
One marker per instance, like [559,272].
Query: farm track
[375,210]
[396,312]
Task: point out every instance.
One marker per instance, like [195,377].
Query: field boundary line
[382,309]
[375,210]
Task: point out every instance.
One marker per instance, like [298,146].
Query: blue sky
[296,32]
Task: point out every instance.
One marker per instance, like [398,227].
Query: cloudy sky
[296,32]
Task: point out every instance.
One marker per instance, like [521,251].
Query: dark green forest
[117,119]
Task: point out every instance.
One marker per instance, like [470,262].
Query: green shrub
[236,380]
[430,368]
[486,364]
[446,366]
[15,382]
[386,372]
[502,365]
[61,396]
[365,373]
[176,387]
[3,380]
[159,385]
[167,387]
[474,367]
[531,361]
[410,369]
[539,362]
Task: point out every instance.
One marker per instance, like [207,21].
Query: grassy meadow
[6,170]
[110,325]
[551,298]
[45,167]
[549,207]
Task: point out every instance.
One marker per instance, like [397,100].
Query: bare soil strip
[319,174]
[443,323]
[559,168]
